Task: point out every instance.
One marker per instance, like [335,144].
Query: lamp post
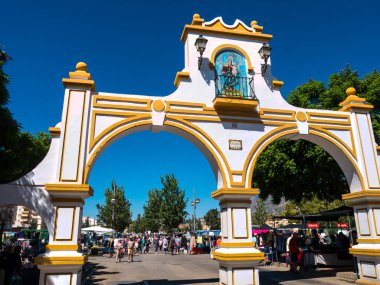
[264,54]
[200,44]
[194,204]
[113,201]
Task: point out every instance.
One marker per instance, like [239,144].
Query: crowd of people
[173,244]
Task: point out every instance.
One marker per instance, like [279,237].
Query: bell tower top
[219,28]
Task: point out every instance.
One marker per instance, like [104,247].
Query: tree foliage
[86,223]
[259,215]
[212,219]
[172,212]
[20,151]
[165,208]
[137,225]
[301,170]
[152,211]
[122,212]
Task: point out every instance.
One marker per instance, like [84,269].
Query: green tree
[137,225]
[212,219]
[259,215]
[20,151]
[173,203]
[152,211]
[122,212]
[198,224]
[33,224]
[300,170]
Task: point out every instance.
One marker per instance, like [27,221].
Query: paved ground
[185,269]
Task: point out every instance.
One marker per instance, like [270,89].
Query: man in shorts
[131,245]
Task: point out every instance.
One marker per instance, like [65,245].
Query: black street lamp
[264,54]
[200,44]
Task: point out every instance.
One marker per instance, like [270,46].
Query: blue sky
[134,47]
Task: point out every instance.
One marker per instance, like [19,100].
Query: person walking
[172,245]
[160,241]
[147,244]
[193,244]
[165,245]
[119,251]
[294,251]
[131,246]
[155,243]
[111,246]
[177,244]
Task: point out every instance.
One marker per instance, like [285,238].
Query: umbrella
[97,229]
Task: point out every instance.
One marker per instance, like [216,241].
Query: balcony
[234,92]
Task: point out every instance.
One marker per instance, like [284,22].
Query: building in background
[22,218]
[92,221]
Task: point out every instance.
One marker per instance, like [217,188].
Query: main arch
[230,106]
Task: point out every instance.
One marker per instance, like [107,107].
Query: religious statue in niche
[231,75]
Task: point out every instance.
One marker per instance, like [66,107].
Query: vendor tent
[330,215]
[97,229]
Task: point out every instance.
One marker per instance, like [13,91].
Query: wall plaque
[235,144]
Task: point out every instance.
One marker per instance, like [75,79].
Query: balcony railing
[236,87]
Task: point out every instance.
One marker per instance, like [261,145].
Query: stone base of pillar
[60,267]
[238,266]
[368,266]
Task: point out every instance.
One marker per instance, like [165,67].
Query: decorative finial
[196,16]
[253,23]
[81,66]
[350,91]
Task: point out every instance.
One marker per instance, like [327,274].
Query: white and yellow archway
[230,130]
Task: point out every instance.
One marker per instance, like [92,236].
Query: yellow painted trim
[67,200]
[98,149]
[233,47]
[158,105]
[80,139]
[368,240]
[368,223]
[367,282]
[301,116]
[62,247]
[145,103]
[200,135]
[378,149]
[82,83]
[235,191]
[69,188]
[238,256]
[352,99]
[352,150]
[54,131]
[246,223]
[180,76]
[374,266]
[325,118]
[234,103]
[236,244]
[60,260]
[374,220]
[225,32]
[129,118]
[72,224]
[362,194]
[276,114]
[365,251]
[58,273]
[280,132]
[226,202]
[277,84]
[243,268]
[221,222]
[374,152]
[357,107]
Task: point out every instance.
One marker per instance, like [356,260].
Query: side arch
[230,47]
[335,148]
[32,197]
[212,153]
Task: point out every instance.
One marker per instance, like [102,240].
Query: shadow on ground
[173,282]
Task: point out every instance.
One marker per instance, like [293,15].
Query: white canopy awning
[97,229]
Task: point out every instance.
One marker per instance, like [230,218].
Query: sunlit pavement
[160,269]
